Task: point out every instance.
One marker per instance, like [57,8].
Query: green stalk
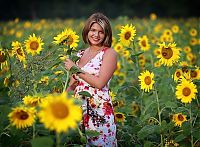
[33,130]
[192,140]
[159,116]
[66,81]
[57,139]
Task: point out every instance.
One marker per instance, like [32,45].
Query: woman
[98,63]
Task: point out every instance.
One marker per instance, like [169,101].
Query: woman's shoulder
[110,51]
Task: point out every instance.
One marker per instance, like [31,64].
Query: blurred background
[37,9]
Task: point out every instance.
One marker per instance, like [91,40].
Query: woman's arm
[108,67]
[72,84]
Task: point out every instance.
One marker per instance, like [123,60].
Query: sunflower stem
[66,81]
[57,139]
[33,130]
[191,130]
[159,115]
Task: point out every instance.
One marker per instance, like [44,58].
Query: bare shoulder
[110,52]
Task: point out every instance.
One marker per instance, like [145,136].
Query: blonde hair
[103,21]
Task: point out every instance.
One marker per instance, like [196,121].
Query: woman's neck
[95,48]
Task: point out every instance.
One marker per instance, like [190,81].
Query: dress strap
[80,53]
[105,48]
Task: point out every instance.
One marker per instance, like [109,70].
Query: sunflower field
[155,89]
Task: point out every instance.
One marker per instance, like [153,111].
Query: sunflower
[120,117]
[169,54]
[193,41]
[157,64]
[146,80]
[22,116]
[6,81]
[186,91]
[59,72]
[59,113]
[44,80]
[118,47]
[187,49]
[179,118]
[126,53]
[113,95]
[156,51]
[153,16]
[17,47]
[142,62]
[144,43]
[117,71]
[33,45]
[67,37]
[175,28]
[171,143]
[27,24]
[32,100]
[167,32]
[3,57]
[127,34]
[134,107]
[178,73]
[190,56]
[195,74]
[193,32]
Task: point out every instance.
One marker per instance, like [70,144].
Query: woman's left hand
[69,63]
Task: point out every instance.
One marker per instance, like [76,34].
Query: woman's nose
[95,33]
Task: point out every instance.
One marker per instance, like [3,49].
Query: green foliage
[149,115]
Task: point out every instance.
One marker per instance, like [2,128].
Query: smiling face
[96,35]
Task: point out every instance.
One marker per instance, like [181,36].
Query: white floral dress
[98,114]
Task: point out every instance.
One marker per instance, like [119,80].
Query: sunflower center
[135,108]
[34,45]
[144,43]
[60,110]
[119,115]
[167,53]
[186,91]
[184,69]
[180,117]
[147,80]
[193,74]
[178,74]
[2,58]
[127,35]
[19,52]
[69,40]
[22,115]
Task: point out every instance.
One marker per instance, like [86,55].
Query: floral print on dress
[98,114]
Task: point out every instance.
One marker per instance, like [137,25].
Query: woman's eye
[92,30]
[100,32]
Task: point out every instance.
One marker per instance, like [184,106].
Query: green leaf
[92,133]
[147,130]
[148,144]
[83,139]
[170,104]
[42,141]
[85,93]
[179,138]
[74,58]
[75,70]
